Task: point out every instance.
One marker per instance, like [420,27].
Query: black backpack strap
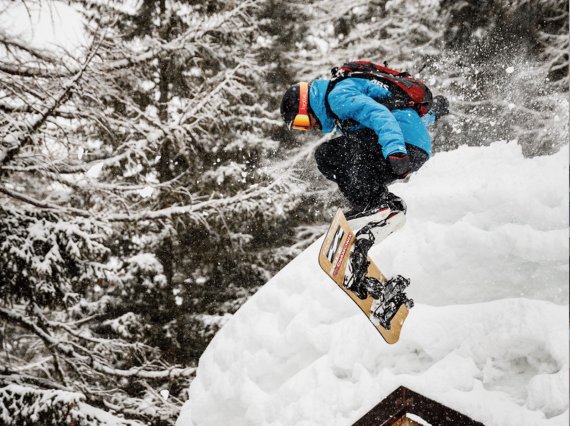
[343,125]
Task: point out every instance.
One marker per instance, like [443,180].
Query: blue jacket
[355,98]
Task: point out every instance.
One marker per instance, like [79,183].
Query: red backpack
[407,91]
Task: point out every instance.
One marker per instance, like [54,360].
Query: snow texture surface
[486,248]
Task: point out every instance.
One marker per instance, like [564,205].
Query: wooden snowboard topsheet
[333,259]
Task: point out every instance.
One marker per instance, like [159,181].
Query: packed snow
[486,248]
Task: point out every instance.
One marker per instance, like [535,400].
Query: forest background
[148,186]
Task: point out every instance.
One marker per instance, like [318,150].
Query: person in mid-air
[383,117]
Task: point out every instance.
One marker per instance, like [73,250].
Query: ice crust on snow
[486,248]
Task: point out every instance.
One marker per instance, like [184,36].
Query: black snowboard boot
[388,203]
[381,221]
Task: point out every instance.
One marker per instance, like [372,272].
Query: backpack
[407,91]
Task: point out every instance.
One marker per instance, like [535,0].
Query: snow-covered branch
[14,141]
[65,348]
[44,204]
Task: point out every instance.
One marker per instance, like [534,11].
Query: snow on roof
[486,248]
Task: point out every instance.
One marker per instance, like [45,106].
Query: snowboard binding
[357,281]
[389,296]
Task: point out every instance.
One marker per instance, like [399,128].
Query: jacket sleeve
[352,100]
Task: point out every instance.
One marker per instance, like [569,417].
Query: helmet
[295,107]
[290,104]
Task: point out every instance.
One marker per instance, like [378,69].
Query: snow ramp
[486,248]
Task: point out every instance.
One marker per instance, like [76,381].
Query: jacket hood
[317,100]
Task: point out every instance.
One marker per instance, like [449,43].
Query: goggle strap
[303,98]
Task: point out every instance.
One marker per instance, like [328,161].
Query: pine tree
[134,205]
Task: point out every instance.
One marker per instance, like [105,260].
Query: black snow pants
[355,162]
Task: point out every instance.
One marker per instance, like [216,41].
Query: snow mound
[487,236]
[488,223]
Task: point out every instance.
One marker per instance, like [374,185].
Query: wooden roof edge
[404,400]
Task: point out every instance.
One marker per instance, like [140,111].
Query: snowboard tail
[389,308]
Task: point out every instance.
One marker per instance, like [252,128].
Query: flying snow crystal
[510,70]
[165,394]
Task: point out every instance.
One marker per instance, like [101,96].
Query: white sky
[45,24]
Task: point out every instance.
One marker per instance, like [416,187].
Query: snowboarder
[382,141]
[383,116]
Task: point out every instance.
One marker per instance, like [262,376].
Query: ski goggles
[301,120]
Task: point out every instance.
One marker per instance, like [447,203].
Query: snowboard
[386,313]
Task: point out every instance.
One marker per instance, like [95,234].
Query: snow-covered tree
[133,202]
[148,187]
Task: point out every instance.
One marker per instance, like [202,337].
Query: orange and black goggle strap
[301,120]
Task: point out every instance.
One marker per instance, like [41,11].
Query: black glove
[440,106]
[400,164]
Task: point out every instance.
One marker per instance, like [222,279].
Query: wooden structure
[393,409]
